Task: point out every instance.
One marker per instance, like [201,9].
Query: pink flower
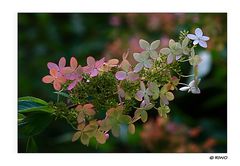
[74,73]
[61,65]
[55,77]
[93,66]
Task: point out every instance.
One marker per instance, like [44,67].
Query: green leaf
[144,116]
[34,123]
[85,139]
[76,136]
[33,99]
[62,94]
[32,104]
[100,137]
[131,128]
[115,130]
[31,145]
[20,117]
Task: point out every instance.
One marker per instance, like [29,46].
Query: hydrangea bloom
[61,65]
[198,38]
[143,61]
[93,66]
[150,49]
[192,87]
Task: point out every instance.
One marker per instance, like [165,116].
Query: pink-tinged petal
[148,63]
[91,61]
[164,99]
[71,76]
[204,38]
[125,65]
[52,65]
[61,80]
[195,42]
[72,85]
[203,44]
[79,69]
[56,85]
[86,69]
[143,104]
[54,72]
[67,70]
[73,63]
[138,67]
[48,79]
[170,58]
[192,37]
[121,75]
[88,106]
[198,32]
[133,76]
[113,62]
[79,108]
[139,95]
[94,73]
[99,63]
[62,63]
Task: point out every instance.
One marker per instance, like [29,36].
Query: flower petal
[113,62]
[133,76]
[99,63]
[204,38]
[148,63]
[139,95]
[62,63]
[72,85]
[195,42]
[185,88]
[56,85]
[138,67]
[138,57]
[73,63]
[195,90]
[121,75]
[165,51]
[171,44]
[91,61]
[170,58]
[155,45]
[192,36]
[88,106]
[54,72]
[153,54]
[61,79]
[142,86]
[198,32]
[48,79]
[79,108]
[203,44]
[52,65]
[94,73]
[144,44]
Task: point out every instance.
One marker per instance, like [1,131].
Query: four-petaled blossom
[192,87]
[60,67]
[198,38]
[93,66]
[84,110]
[143,61]
[126,73]
[174,52]
[149,49]
[143,95]
[56,78]
[74,73]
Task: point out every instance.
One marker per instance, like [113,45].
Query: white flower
[192,87]
[199,38]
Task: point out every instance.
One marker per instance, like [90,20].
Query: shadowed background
[197,123]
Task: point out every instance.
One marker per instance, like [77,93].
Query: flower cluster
[115,90]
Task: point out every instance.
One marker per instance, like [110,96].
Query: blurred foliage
[47,37]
